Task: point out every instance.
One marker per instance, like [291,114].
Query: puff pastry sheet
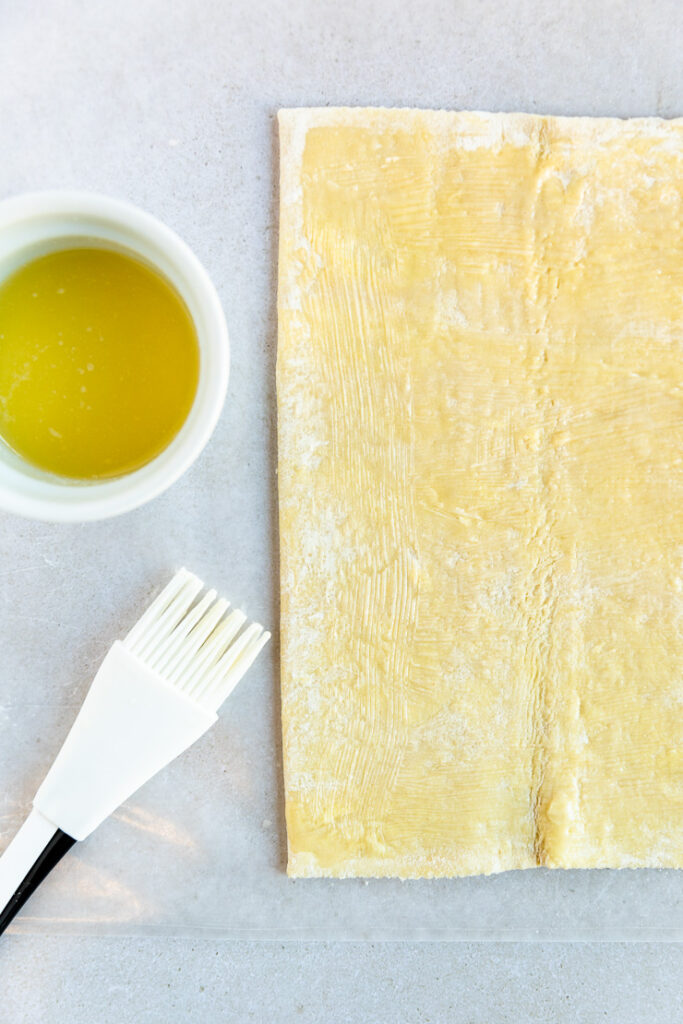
[480,397]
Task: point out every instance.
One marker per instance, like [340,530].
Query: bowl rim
[28,492]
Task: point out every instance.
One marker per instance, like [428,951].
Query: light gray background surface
[169,103]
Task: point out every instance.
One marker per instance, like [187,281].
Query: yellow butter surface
[480,401]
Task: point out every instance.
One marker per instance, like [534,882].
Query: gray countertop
[146,981]
[171,105]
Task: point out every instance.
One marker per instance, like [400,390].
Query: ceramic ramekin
[36,223]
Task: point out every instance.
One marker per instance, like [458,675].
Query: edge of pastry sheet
[472,128]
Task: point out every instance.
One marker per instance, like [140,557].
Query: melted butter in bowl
[99,362]
[108,419]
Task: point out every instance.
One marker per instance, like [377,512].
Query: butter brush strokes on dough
[480,395]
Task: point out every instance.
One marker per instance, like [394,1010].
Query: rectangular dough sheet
[480,398]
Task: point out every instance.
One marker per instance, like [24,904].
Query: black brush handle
[58,845]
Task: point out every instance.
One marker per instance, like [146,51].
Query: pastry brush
[155,693]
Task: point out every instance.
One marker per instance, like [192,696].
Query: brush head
[194,642]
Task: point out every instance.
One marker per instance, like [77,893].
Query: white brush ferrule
[132,723]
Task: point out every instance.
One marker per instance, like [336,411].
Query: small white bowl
[34,224]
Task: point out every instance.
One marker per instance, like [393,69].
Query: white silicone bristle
[189,639]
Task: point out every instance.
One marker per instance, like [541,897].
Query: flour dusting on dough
[480,419]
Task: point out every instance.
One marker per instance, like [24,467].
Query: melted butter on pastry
[480,399]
